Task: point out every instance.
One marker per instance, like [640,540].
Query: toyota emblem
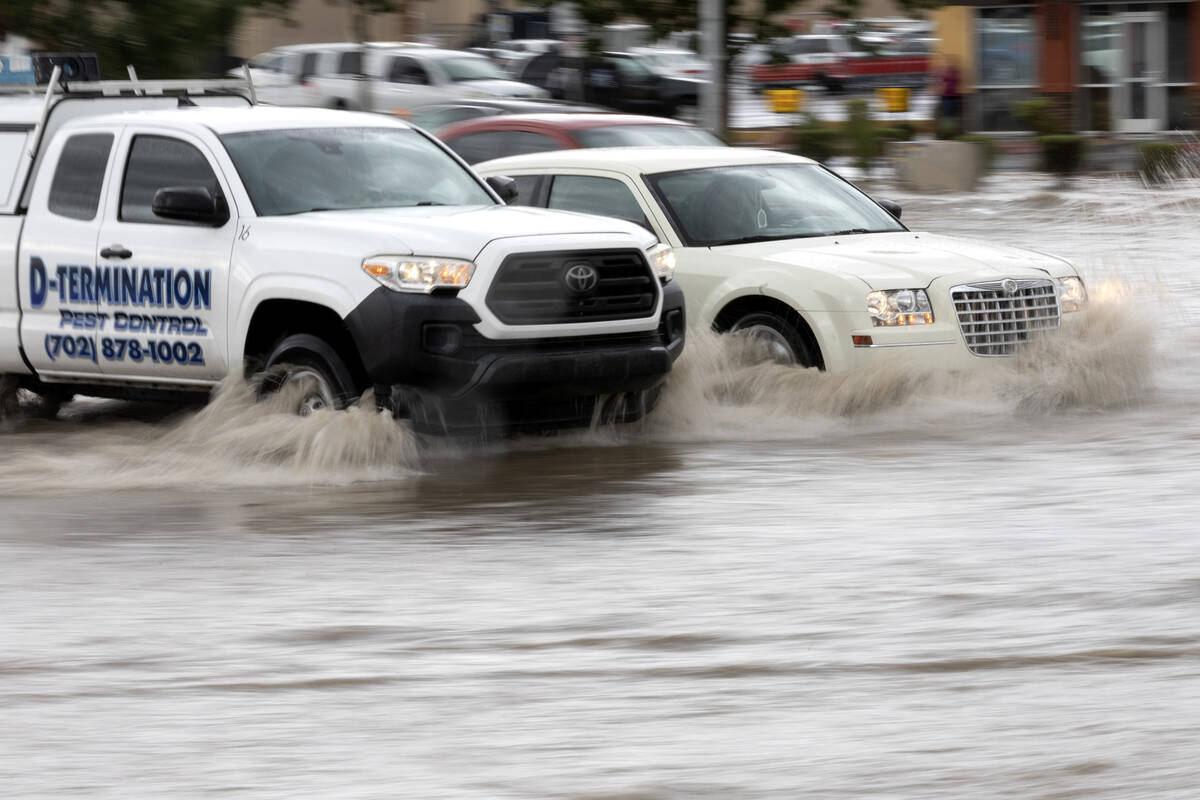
[581,278]
[1009,286]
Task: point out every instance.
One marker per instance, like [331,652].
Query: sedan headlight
[1072,294]
[420,274]
[900,307]
[662,261]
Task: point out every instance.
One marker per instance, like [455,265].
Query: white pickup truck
[399,79]
[149,253]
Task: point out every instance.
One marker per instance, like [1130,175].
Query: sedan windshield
[472,69]
[635,135]
[324,169]
[733,205]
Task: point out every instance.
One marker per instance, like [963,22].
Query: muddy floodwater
[784,584]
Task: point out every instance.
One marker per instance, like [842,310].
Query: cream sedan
[814,270]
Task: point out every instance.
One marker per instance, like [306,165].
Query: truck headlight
[421,274]
[900,307]
[662,261]
[1072,294]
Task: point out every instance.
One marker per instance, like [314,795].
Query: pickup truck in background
[151,244]
[830,61]
[396,80]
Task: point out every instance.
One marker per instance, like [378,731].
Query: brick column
[1058,56]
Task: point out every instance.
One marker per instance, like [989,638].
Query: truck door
[409,85]
[60,325]
[165,280]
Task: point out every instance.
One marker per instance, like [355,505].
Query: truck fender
[304,288]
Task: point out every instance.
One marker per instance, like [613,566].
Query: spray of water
[1102,359]
[235,441]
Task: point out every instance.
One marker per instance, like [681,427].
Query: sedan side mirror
[504,186]
[191,204]
[890,207]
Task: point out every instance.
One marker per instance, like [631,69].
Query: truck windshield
[755,203]
[324,169]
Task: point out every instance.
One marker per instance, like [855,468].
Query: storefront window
[996,109]
[1097,110]
[1101,45]
[1179,109]
[1179,66]
[1007,47]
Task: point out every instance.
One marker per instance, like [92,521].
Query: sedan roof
[570,121]
[642,160]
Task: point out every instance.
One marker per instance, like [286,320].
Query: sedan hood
[450,231]
[906,259]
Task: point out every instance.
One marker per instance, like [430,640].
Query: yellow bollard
[785,101]
[893,98]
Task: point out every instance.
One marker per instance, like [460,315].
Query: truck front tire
[309,361]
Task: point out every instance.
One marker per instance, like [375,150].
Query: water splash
[1102,359]
[233,441]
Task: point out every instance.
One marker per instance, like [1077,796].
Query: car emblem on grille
[581,278]
[1009,286]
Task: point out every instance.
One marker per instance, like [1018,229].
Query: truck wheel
[50,402]
[10,404]
[306,360]
[773,338]
[628,407]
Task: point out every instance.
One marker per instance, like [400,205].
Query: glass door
[1143,103]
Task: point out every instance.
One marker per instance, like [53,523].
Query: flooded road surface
[785,584]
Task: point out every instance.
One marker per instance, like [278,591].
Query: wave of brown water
[903,584]
[1102,360]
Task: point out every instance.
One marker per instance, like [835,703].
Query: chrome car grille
[997,316]
[535,288]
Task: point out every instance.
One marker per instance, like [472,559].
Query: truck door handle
[116,251]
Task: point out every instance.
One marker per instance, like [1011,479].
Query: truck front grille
[996,316]
[575,286]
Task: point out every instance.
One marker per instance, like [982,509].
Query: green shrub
[947,128]
[1062,154]
[861,137]
[988,144]
[1158,160]
[896,133]
[813,140]
[1040,116]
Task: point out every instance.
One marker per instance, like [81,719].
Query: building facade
[445,22]
[1108,67]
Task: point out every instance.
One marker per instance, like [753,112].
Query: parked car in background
[499,136]
[400,79]
[620,81]
[814,271]
[284,76]
[439,115]
[672,62]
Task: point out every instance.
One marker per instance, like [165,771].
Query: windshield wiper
[430,203]
[852,230]
[762,237]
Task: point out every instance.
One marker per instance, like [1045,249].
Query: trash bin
[785,101]
[893,98]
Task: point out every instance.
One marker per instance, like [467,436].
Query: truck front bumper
[424,354]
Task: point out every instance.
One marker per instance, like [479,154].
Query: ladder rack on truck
[128,95]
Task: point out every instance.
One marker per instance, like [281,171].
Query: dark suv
[615,80]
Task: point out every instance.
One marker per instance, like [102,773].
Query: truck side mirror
[890,207]
[504,186]
[191,204]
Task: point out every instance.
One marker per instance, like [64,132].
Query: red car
[515,134]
